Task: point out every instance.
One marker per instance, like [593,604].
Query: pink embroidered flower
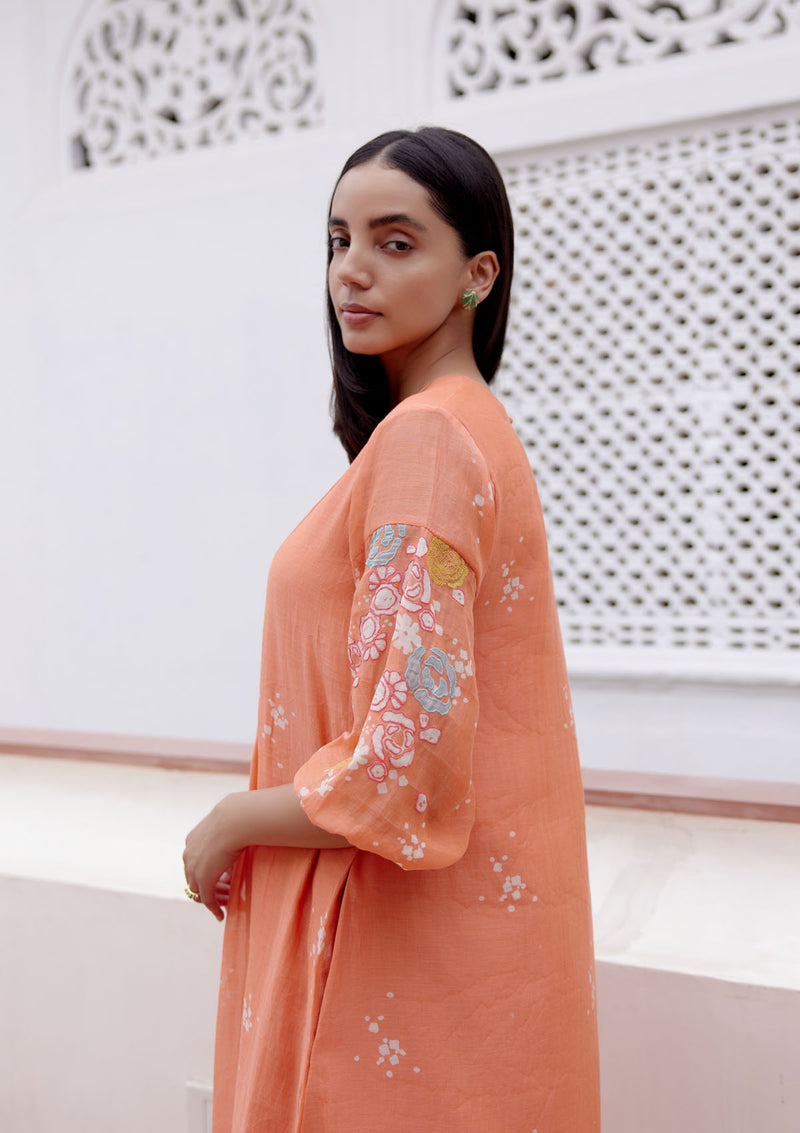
[458,595]
[393,739]
[385,599]
[353,656]
[383,576]
[416,586]
[426,620]
[424,719]
[377,770]
[372,638]
[392,690]
[422,802]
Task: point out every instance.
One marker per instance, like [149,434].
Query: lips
[354,315]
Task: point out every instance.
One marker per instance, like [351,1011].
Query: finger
[210,901]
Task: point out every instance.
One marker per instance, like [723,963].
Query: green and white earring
[469,300]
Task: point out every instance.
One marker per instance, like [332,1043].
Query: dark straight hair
[467,191]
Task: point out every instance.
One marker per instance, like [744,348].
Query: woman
[408,942]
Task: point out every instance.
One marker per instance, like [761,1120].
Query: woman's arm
[271,816]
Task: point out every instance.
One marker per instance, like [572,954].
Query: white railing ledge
[692,666]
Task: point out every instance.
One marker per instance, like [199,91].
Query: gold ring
[191,893]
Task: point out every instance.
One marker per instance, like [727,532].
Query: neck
[424,364]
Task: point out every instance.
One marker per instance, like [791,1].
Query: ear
[482,271]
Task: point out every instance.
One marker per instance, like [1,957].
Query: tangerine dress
[438,974]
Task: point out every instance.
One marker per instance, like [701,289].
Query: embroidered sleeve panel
[399,783]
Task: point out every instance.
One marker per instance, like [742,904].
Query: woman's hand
[211,851]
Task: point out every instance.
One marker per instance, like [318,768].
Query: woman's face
[397,269]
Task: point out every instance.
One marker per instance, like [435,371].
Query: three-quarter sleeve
[399,782]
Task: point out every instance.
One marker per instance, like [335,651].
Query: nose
[350,267]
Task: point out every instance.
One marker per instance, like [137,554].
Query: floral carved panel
[489,45]
[151,77]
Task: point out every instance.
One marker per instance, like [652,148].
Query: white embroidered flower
[391,690]
[393,739]
[406,634]
[384,576]
[353,656]
[416,587]
[422,802]
[372,637]
[385,600]
[377,770]
[427,620]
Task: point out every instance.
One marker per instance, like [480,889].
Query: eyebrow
[382,221]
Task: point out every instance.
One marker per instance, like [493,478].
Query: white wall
[108,974]
[164,386]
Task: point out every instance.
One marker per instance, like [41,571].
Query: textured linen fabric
[439,974]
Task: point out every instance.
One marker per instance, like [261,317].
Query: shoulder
[453,413]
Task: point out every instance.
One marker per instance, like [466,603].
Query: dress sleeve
[399,783]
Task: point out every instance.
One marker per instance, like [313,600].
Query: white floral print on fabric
[390,1052]
[512,888]
[511,585]
[277,714]
[408,663]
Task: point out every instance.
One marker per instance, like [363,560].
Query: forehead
[372,190]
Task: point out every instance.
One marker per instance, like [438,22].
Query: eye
[337,243]
[398,245]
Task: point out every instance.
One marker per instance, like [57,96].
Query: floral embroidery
[385,544]
[432,679]
[422,802]
[406,634]
[373,639]
[512,587]
[278,716]
[392,690]
[389,1050]
[393,739]
[353,658]
[513,886]
[378,771]
[427,621]
[383,582]
[416,587]
[385,600]
[412,848]
[384,576]
[430,735]
[446,565]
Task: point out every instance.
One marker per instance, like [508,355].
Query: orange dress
[439,974]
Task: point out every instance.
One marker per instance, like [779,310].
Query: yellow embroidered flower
[446,566]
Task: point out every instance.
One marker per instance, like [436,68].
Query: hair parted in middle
[466,189]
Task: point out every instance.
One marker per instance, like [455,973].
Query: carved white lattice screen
[497,45]
[152,77]
[653,370]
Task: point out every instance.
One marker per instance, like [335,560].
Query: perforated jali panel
[653,372]
[152,77]
[488,45]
